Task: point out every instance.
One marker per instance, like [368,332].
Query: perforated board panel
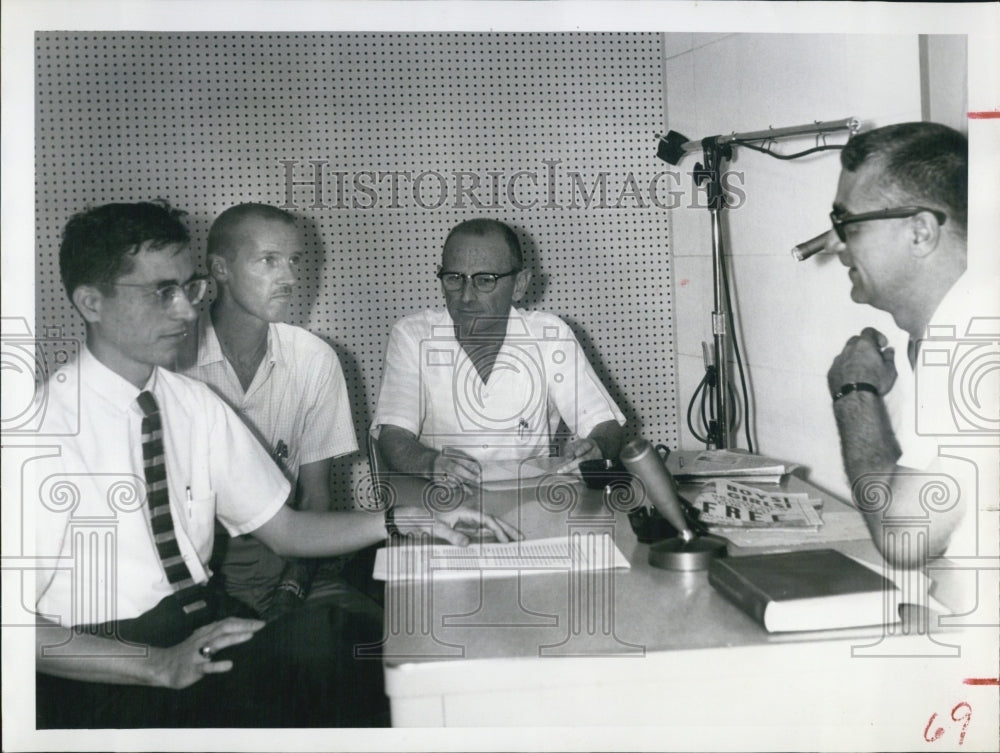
[406,134]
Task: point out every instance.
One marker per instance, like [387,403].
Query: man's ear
[218,267]
[926,233]
[521,283]
[89,301]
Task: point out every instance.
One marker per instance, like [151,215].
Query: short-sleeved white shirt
[96,553]
[431,387]
[298,397]
[948,402]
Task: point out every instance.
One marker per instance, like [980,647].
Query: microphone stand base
[677,554]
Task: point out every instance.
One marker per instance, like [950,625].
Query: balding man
[481,381]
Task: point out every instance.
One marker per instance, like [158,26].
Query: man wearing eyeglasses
[288,387]
[899,225]
[132,632]
[481,381]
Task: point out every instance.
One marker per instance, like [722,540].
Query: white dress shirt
[431,387]
[97,559]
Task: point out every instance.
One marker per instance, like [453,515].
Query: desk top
[604,613]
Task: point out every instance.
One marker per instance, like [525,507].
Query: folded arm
[881,488]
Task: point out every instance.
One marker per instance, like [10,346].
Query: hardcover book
[818,589]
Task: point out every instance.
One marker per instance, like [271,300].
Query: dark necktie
[190,595]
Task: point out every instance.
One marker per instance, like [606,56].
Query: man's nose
[183,309]
[468,289]
[288,274]
[839,247]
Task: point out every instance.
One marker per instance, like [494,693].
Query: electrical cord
[702,388]
[736,348]
[705,389]
[776,155]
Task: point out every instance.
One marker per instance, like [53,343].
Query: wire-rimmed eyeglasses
[841,219]
[484,282]
[167,294]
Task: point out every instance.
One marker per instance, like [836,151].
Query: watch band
[850,387]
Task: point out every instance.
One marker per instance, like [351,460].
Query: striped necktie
[190,595]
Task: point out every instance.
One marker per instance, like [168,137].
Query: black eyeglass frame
[167,293]
[478,279]
[894,213]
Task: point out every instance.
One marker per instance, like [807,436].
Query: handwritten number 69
[961,713]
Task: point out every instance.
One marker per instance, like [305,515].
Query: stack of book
[694,466]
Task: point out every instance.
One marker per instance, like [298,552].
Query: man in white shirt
[899,219]
[133,634]
[482,381]
[284,382]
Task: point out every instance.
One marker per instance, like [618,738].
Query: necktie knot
[147,403]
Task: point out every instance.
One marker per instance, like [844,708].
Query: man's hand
[865,358]
[445,525]
[453,467]
[576,451]
[184,664]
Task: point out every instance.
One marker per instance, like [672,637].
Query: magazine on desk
[729,504]
[408,561]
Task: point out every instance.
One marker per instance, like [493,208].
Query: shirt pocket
[199,523]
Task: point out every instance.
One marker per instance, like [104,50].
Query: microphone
[686,551]
[643,461]
[810,247]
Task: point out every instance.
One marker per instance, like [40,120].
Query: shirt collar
[210,351]
[109,386]
[516,325]
[954,301]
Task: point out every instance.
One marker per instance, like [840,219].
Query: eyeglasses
[845,218]
[170,293]
[484,282]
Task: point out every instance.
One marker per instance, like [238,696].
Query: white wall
[946,86]
[793,317]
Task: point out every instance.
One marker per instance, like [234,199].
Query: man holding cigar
[899,225]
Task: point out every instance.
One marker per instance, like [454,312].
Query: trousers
[298,671]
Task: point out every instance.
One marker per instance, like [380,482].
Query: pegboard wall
[380,143]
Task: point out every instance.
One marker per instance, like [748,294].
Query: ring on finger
[206,651]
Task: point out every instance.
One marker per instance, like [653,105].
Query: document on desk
[585,552]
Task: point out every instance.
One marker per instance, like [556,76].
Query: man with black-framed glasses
[899,225]
[482,381]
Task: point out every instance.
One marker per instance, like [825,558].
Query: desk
[639,646]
